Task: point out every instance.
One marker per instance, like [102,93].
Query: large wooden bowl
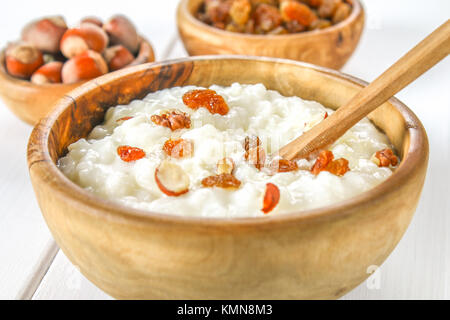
[30,102]
[129,253]
[330,47]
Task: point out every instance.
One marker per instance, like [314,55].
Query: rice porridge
[196,152]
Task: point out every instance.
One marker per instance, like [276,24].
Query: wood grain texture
[31,102]
[413,64]
[128,253]
[330,47]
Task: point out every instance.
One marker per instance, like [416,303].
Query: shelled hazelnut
[45,34]
[22,59]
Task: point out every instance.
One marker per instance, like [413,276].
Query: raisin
[325,157]
[338,167]
[173,120]
[271,198]
[327,8]
[129,154]
[315,3]
[206,98]
[178,148]
[295,11]
[342,12]
[224,180]
[240,11]
[267,17]
[217,11]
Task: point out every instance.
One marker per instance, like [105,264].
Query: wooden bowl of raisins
[321,32]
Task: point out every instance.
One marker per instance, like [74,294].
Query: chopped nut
[224,180]
[385,158]
[173,120]
[325,162]
[271,198]
[171,179]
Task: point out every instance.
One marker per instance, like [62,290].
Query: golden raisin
[341,13]
[267,17]
[325,157]
[173,120]
[240,11]
[224,180]
[178,148]
[327,8]
[271,198]
[283,165]
[217,11]
[206,98]
[129,154]
[386,157]
[295,11]
[338,167]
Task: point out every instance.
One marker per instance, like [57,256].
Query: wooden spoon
[422,57]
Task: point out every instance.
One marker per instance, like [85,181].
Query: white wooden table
[32,266]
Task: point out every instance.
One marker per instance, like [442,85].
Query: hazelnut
[45,34]
[171,179]
[85,66]
[22,60]
[117,57]
[94,20]
[122,31]
[48,73]
[77,40]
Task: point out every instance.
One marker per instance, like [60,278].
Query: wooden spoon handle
[422,57]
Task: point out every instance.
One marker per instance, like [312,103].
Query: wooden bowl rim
[357,10]
[27,83]
[38,152]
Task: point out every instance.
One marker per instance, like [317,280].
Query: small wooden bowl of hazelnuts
[52,59]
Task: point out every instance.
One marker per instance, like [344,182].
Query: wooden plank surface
[419,267]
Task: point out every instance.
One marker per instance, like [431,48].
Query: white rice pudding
[94,164]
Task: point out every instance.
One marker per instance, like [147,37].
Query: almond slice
[171,179]
[226,165]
